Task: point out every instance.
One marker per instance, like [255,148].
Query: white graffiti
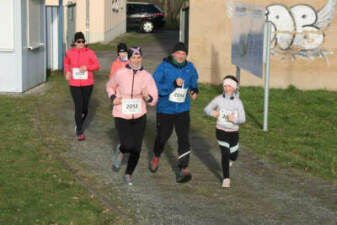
[298,31]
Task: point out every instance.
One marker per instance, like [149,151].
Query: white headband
[230,82]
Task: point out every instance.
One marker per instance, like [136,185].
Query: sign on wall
[7,25]
[247,37]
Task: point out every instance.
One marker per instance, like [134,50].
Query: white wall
[10,60]
[21,68]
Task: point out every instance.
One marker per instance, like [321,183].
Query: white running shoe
[226,183]
[231,163]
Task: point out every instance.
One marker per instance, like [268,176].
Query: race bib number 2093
[131,106]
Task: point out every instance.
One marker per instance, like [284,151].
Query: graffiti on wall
[298,31]
[117,5]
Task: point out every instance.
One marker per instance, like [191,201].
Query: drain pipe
[87,22]
[60,38]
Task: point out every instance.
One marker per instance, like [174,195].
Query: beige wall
[52,2]
[210,49]
[104,24]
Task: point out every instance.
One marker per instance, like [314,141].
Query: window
[33,24]
[7,25]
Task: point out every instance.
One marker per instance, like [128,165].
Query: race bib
[131,106]
[222,119]
[178,95]
[78,75]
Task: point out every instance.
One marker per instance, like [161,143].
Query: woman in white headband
[228,109]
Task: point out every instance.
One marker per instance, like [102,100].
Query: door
[52,29]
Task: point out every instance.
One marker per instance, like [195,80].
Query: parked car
[144,16]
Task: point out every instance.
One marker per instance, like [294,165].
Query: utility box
[22,44]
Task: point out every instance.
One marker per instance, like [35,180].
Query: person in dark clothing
[131,89]
[176,78]
[79,63]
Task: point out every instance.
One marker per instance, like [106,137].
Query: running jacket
[228,103]
[165,76]
[128,83]
[116,65]
[75,58]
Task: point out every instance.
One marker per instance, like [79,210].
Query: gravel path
[261,193]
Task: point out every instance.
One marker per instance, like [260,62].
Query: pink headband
[230,82]
[136,51]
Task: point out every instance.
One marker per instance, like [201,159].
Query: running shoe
[154,164]
[226,183]
[117,162]
[81,137]
[183,176]
[127,179]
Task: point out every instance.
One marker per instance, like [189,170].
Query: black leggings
[131,133]
[229,146]
[81,97]
[181,123]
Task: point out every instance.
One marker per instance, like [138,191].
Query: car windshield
[157,8]
[140,8]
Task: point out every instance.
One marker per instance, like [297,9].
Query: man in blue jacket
[176,79]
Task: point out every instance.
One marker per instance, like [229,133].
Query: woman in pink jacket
[130,89]
[79,63]
[121,60]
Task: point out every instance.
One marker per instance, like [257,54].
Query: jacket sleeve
[111,86]
[113,69]
[67,63]
[211,106]
[241,114]
[194,81]
[93,62]
[152,89]
[165,86]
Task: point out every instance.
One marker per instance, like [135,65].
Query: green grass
[302,127]
[34,187]
[130,38]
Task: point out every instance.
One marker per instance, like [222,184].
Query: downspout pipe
[87,22]
[60,37]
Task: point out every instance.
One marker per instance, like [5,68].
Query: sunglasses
[79,42]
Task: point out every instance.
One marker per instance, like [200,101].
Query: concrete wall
[107,18]
[115,19]
[210,49]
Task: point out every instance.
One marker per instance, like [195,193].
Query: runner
[121,60]
[229,111]
[175,78]
[79,63]
[130,89]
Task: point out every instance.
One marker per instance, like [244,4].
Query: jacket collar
[84,49]
[131,68]
[169,60]
[231,97]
